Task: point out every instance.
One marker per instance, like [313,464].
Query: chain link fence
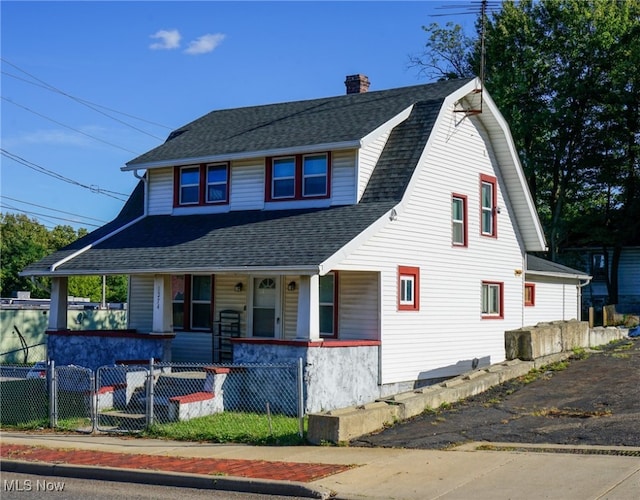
[183,401]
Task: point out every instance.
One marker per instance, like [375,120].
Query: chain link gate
[73,398]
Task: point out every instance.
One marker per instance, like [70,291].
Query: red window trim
[298,178]
[202,188]
[409,271]
[494,211]
[335,308]
[465,224]
[532,287]
[496,316]
[187,304]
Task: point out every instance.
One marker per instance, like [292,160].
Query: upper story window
[217,183]
[492,300]
[201,184]
[488,206]
[459,220]
[189,185]
[408,288]
[283,178]
[298,177]
[314,174]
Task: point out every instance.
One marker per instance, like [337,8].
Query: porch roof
[234,241]
[543,267]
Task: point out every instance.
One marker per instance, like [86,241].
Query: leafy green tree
[25,241]
[22,242]
[565,75]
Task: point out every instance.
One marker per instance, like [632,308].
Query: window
[408,288]
[189,185]
[201,184]
[298,177]
[488,206]
[492,300]
[529,294]
[178,298]
[598,266]
[459,220]
[192,299]
[284,176]
[314,175]
[201,303]
[328,309]
[217,183]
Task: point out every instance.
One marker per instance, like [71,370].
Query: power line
[50,88]
[9,207]
[55,175]
[84,102]
[53,209]
[67,126]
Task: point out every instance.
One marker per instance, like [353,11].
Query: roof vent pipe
[357,84]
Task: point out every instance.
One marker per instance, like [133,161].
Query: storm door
[266,304]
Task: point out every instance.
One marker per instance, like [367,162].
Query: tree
[565,75]
[25,241]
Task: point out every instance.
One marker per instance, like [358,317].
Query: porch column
[59,303]
[308,327]
[162,305]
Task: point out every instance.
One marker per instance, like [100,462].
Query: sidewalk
[556,472]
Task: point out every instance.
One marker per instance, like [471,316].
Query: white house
[380,236]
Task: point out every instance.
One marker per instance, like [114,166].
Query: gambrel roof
[299,240]
[327,123]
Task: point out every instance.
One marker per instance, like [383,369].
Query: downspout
[579,288]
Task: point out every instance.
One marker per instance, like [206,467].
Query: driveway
[590,400]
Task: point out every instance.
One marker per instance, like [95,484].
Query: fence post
[300,378]
[93,389]
[53,401]
[150,394]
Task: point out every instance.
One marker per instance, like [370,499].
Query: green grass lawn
[232,427]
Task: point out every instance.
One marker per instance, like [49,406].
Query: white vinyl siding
[367,159]
[160,189]
[247,185]
[447,333]
[554,300]
[141,303]
[192,347]
[343,177]
[358,311]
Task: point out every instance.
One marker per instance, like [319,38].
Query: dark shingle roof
[270,238]
[291,124]
[536,264]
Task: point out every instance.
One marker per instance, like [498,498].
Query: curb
[167,478]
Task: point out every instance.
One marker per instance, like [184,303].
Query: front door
[266,318]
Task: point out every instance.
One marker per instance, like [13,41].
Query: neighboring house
[381,237]
[592,260]
[552,291]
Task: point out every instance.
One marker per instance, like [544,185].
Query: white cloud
[204,44]
[168,40]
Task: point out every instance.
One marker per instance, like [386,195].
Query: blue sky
[88,86]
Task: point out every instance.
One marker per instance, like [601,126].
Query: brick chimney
[356,84]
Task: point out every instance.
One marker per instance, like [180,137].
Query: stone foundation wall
[102,348]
